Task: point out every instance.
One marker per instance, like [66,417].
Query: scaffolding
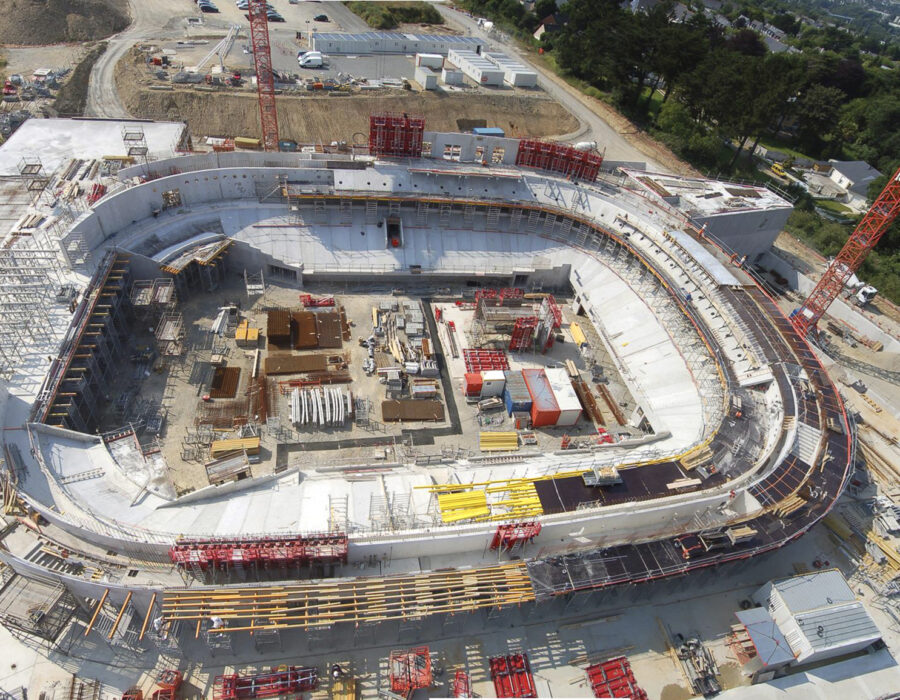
[73,392]
[254,284]
[34,178]
[35,607]
[135,141]
[410,670]
[512,536]
[285,554]
[314,604]
[169,334]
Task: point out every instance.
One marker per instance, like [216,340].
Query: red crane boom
[865,236]
[265,78]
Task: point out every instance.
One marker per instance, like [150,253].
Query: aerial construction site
[323,421]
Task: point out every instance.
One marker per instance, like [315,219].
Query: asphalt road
[151,20]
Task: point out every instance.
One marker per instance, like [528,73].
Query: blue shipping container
[515,393]
[488,131]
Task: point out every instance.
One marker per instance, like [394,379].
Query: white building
[819,615]
[391,42]
[745,218]
[479,69]
[854,177]
[514,72]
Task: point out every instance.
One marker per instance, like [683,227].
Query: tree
[747,42]
[817,114]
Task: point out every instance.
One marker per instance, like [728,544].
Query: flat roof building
[56,141]
[819,615]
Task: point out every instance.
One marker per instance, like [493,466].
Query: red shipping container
[544,409]
[474,382]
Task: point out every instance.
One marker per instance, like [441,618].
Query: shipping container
[391,42]
[488,131]
[450,76]
[515,73]
[473,383]
[430,60]
[544,409]
[515,393]
[426,77]
[493,382]
[479,69]
[564,393]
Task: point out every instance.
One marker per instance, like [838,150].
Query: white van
[311,59]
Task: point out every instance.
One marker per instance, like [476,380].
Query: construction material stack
[614,679]
[512,676]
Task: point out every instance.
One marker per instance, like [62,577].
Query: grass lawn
[836,208]
[775,144]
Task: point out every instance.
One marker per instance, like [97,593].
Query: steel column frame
[865,236]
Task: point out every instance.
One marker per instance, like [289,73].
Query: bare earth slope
[27,22]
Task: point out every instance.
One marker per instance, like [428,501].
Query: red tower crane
[865,236]
[265,78]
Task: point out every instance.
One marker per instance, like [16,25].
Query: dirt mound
[72,97]
[324,119]
[58,21]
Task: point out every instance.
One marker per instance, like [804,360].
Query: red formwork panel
[614,679]
[523,333]
[485,360]
[512,676]
[559,158]
[399,135]
[285,680]
[410,670]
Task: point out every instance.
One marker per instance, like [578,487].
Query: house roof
[858,172]
[813,591]
[837,626]
[771,646]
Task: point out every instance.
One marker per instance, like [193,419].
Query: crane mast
[265,77]
[865,236]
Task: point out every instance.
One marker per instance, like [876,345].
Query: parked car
[207,7]
[320,18]
[274,17]
[245,5]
